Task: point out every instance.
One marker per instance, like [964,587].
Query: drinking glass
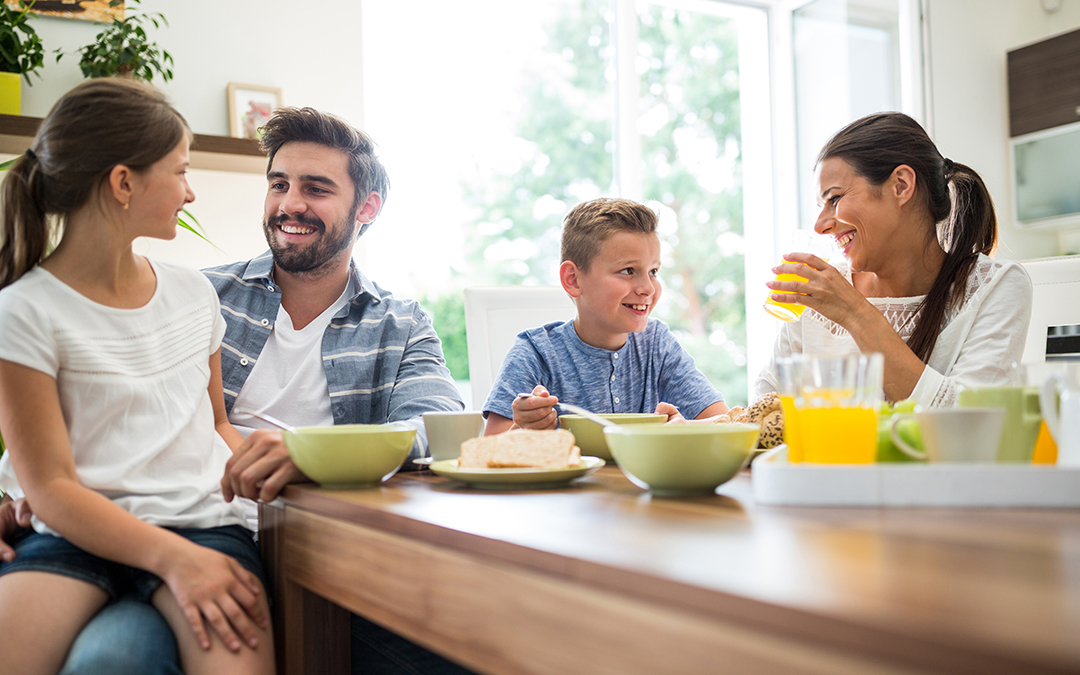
[799,241]
[836,404]
[791,372]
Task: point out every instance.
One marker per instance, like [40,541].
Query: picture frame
[250,106]
[102,11]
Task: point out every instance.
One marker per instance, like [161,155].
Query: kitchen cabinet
[1044,84]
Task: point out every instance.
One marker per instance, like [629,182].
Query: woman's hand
[212,586]
[536,411]
[825,290]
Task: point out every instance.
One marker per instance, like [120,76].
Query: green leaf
[195,228]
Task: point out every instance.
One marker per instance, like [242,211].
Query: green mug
[1022,417]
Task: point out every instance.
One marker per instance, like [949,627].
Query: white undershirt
[288,380]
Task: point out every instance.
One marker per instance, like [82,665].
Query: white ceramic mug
[446,431]
[1059,399]
[954,434]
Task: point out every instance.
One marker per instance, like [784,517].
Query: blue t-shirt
[651,367]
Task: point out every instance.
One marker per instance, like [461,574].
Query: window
[850,61]
[495,118]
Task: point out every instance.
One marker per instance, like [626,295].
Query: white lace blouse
[981,339]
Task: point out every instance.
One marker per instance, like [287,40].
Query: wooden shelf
[216,153]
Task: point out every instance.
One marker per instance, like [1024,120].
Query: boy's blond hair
[588,224]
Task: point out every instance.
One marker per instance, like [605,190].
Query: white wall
[310,50]
[969,101]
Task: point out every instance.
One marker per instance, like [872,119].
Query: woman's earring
[125,206]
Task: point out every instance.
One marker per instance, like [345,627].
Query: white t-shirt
[133,390]
[288,381]
[981,339]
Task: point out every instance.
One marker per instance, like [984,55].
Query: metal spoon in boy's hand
[535,410]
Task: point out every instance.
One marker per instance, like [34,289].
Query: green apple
[907,429]
[887,409]
[905,406]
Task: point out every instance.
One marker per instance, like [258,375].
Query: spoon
[577,410]
[587,415]
[265,418]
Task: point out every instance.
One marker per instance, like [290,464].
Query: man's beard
[309,258]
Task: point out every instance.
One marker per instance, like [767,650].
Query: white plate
[518,478]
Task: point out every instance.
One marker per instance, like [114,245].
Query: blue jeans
[128,637]
[132,638]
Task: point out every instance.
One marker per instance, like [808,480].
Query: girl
[110,396]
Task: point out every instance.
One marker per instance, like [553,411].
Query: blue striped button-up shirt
[382,358]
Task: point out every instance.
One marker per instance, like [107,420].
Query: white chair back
[1055,300]
[493,318]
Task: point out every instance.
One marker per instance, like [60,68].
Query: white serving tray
[778,482]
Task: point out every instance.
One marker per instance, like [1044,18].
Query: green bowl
[350,455]
[682,459]
[589,435]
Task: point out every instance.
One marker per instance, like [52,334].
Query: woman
[916,230]
[110,396]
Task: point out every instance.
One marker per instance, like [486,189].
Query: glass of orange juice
[790,370]
[799,241]
[836,405]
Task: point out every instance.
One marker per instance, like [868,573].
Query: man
[309,340]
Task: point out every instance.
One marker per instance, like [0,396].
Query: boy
[612,357]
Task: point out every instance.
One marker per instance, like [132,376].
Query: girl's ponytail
[24,228]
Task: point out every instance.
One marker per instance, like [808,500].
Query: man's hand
[260,468]
[13,515]
[536,411]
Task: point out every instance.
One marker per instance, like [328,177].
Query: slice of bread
[521,448]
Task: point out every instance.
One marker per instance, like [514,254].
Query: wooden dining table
[601,577]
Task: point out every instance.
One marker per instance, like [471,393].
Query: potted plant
[21,53]
[124,48]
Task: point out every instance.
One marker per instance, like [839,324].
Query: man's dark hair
[307,125]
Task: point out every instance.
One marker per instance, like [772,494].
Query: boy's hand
[536,410]
[673,414]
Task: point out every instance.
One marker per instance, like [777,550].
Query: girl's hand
[213,586]
[825,290]
[536,410]
[13,515]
